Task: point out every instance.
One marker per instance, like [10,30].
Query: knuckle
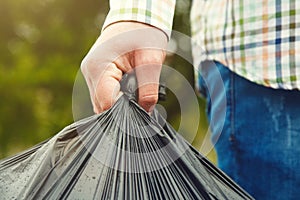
[151,57]
[88,65]
[149,100]
[112,71]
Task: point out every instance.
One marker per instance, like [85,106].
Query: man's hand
[122,47]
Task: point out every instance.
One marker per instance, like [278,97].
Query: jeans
[258,140]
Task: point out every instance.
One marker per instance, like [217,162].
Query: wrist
[125,26]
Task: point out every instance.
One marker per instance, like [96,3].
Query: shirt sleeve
[158,13]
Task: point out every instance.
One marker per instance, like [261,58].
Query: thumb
[148,83]
[107,88]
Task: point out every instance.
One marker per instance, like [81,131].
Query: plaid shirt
[259,40]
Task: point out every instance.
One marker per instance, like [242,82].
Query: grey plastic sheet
[122,153]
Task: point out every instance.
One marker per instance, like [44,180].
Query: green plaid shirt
[259,40]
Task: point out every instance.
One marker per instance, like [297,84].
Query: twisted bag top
[122,153]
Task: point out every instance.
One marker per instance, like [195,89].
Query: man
[253,45]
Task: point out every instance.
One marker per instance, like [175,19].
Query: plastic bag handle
[129,87]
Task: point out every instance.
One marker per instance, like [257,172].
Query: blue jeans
[258,145]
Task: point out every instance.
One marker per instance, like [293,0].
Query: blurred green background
[42,43]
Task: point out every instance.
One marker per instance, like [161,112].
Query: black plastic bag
[122,153]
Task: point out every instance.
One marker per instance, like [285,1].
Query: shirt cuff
[158,13]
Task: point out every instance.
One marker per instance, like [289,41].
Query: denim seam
[232,106]
[233,138]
